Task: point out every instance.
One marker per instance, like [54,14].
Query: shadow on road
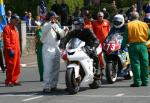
[107,86]
[58,92]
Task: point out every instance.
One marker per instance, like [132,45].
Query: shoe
[17,84]
[9,85]
[54,89]
[145,85]
[134,85]
[46,90]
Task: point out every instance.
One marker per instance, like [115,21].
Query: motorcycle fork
[114,65]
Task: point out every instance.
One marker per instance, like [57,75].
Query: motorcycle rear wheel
[73,86]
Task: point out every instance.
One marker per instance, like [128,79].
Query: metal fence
[30,40]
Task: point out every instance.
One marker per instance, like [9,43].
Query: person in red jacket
[87,20]
[12,52]
[101,28]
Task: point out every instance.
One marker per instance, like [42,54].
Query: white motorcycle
[80,67]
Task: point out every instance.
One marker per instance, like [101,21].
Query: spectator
[30,23]
[2,65]
[38,21]
[56,7]
[70,21]
[50,52]
[87,20]
[25,17]
[64,11]
[101,28]
[106,14]
[146,9]
[77,12]
[12,51]
[129,12]
[114,9]
[137,36]
[8,17]
[2,25]
[121,11]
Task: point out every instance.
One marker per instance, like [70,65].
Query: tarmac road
[31,89]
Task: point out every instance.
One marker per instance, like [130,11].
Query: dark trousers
[2,64]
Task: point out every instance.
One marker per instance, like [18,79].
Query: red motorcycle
[117,60]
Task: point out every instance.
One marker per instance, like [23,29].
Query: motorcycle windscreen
[112,43]
[74,43]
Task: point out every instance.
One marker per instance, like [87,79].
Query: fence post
[23,36]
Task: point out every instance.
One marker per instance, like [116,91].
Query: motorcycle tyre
[72,88]
[109,78]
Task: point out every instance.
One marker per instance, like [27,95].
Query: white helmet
[118,21]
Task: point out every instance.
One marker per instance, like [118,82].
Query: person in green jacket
[38,49]
[136,36]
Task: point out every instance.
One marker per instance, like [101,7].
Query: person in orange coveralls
[12,52]
[101,28]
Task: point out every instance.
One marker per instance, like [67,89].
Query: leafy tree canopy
[19,6]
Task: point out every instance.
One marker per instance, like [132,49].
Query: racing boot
[102,73]
[97,78]
[97,75]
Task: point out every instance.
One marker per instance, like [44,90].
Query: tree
[139,6]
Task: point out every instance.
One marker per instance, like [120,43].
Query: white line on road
[119,95]
[12,95]
[112,96]
[17,95]
[28,99]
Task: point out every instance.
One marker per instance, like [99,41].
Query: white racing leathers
[51,54]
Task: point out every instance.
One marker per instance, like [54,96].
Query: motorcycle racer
[118,25]
[89,38]
[117,61]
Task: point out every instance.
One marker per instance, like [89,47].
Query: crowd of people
[52,35]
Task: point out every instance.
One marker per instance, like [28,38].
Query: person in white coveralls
[50,51]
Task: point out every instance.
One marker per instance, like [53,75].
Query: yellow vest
[137,31]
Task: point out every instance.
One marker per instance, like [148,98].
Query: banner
[42,9]
[2,10]
[3,21]
[1,1]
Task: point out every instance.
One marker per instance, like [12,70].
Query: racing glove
[11,53]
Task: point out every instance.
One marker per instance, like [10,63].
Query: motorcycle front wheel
[129,73]
[72,83]
[111,72]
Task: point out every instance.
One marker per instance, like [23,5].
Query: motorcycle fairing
[76,69]
[112,43]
